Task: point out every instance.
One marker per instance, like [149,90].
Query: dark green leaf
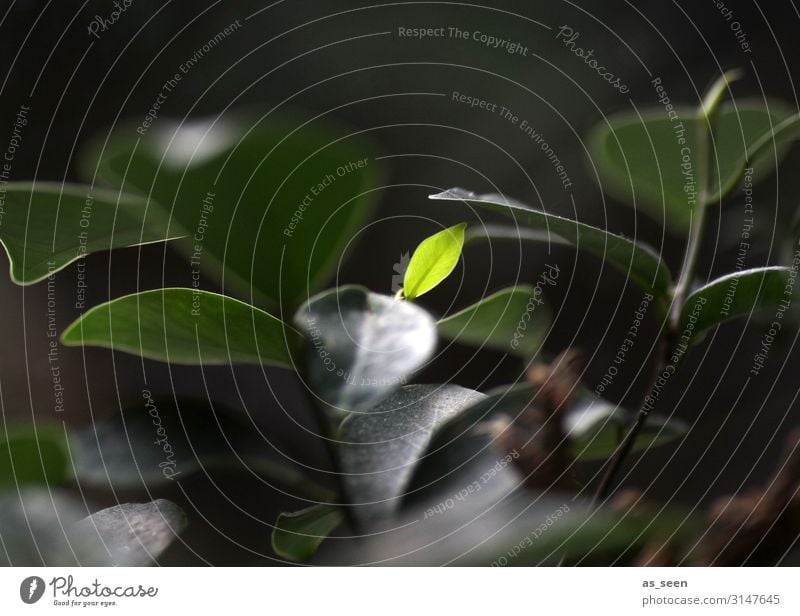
[597,427]
[297,535]
[735,295]
[159,441]
[45,226]
[516,234]
[771,143]
[274,200]
[186,326]
[636,261]
[362,346]
[33,456]
[511,320]
[640,160]
[379,450]
[433,261]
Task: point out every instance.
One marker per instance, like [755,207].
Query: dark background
[316,57]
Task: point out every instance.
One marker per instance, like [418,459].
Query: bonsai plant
[420,473]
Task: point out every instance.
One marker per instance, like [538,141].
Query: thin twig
[625,447]
[704,161]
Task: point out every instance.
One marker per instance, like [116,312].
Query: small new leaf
[433,261]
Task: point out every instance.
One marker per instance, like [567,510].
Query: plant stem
[704,162]
[684,283]
[625,447]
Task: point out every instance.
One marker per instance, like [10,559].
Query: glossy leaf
[459,447]
[379,450]
[494,321]
[735,295]
[33,457]
[640,263]
[640,160]
[133,534]
[272,199]
[47,226]
[489,518]
[158,442]
[186,326]
[492,233]
[297,535]
[47,528]
[362,346]
[522,529]
[433,261]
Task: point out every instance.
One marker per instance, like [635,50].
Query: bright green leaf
[186,326]
[273,199]
[433,261]
[511,320]
[362,346]
[37,456]
[735,295]
[640,263]
[297,535]
[46,226]
[641,160]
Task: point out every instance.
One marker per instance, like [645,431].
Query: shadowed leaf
[297,535]
[273,198]
[47,226]
[158,441]
[643,161]
[597,427]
